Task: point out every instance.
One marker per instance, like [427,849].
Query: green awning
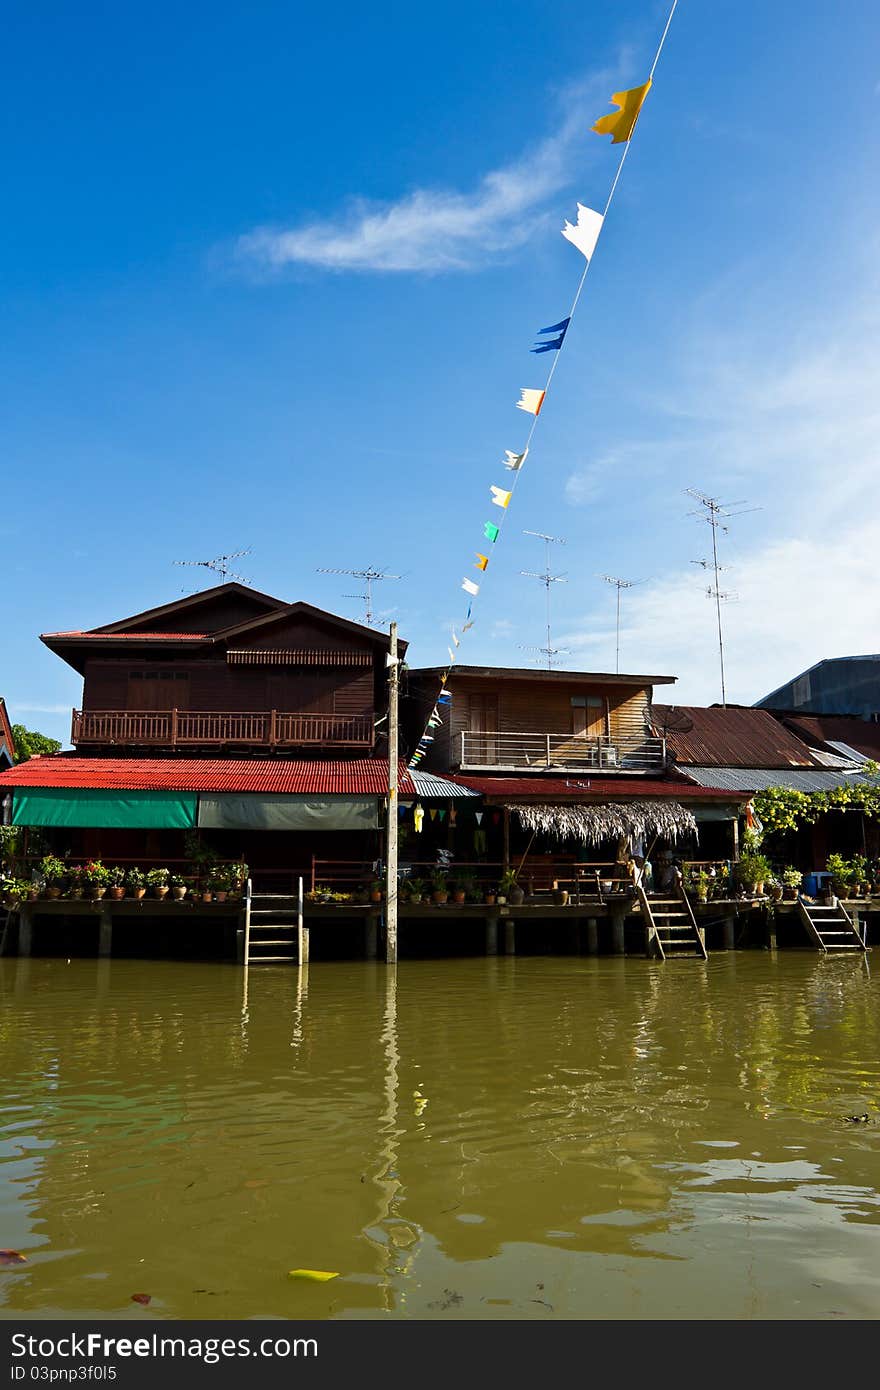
[251,811]
[119,810]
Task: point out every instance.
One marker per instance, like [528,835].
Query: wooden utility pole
[393,815]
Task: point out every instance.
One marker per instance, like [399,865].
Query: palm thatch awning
[666,820]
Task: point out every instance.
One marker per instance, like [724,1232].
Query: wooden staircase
[671,929]
[830,928]
[271,928]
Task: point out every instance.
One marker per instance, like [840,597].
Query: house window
[158,688]
[587,715]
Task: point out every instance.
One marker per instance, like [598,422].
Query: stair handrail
[248,894]
[682,891]
[653,936]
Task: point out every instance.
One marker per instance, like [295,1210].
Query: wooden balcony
[536,752]
[175,728]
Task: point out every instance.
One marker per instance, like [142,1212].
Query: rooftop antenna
[220,565]
[619,584]
[716,514]
[369,577]
[547,579]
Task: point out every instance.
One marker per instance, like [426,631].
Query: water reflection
[500,1137]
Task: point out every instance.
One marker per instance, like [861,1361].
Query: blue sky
[271,275]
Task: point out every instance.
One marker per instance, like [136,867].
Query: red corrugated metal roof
[608,788]
[860,734]
[729,737]
[130,636]
[362,777]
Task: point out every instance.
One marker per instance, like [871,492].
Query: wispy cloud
[23,707]
[438,229]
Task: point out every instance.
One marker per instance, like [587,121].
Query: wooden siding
[213,685]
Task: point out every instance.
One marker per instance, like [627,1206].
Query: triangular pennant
[585,233]
[514,461]
[433,813]
[453,815]
[530,400]
[620,124]
[478,817]
[442,813]
[553,344]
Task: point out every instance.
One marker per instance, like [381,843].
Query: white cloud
[23,707]
[437,229]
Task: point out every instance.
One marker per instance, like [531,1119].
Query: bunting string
[583,234]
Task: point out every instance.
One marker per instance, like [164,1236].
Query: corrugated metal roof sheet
[729,737]
[607,788]
[757,779]
[426,784]
[860,734]
[362,777]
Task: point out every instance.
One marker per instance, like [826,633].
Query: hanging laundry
[481,843]
[620,124]
[514,461]
[585,233]
[418,817]
[530,400]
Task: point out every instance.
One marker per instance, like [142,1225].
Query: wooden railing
[571,752]
[175,728]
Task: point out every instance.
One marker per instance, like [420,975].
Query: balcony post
[547,747]
[461,760]
[173,727]
[273,720]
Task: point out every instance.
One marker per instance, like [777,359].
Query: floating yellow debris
[317,1276]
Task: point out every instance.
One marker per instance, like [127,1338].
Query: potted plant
[416,891]
[75,881]
[157,882]
[489,895]
[375,891]
[95,878]
[560,895]
[218,881]
[134,882]
[511,889]
[459,888]
[439,890]
[791,881]
[178,887]
[752,870]
[773,889]
[52,872]
[606,885]
[237,876]
[116,882]
[859,871]
[841,874]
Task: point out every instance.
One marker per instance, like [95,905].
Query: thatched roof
[591,824]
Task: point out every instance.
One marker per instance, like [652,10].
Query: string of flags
[583,234]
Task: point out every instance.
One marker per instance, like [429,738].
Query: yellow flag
[619,125]
[482,561]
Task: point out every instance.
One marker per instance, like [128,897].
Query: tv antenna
[368,578]
[548,579]
[220,565]
[619,584]
[716,514]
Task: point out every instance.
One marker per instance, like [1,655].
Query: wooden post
[25,929]
[510,937]
[105,932]
[729,932]
[302,931]
[393,819]
[173,727]
[273,727]
[371,937]
[617,933]
[506,852]
[245,947]
[592,937]
[491,936]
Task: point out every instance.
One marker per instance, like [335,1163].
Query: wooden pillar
[510,937]
[302,931]
[491,936]
[105,932]
[506,850]
[25,929]
[617,935]
[371,937]
[729,932]
[592,936]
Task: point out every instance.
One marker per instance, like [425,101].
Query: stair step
[270,960]
[271,941]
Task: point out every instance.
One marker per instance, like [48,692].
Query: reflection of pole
[391,856]
[387,1178]
[302,931]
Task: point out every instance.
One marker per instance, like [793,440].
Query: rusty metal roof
[734,736]
[361,777]
[836,729]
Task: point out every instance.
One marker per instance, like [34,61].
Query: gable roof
[834,730]
[320,615]
[260,600]
[729,736]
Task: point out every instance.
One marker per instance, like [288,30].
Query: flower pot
[459,895]
[97,892]
[501,900]
[138,892]
[117,892]
[33,895]
[607,885]
[516,897]
[53,892]
[375,897]
[440,896]
[560,897]
[178,894]
[160,890]
[221,895]
[789,894]
[77,894]
[775,893]
[489,899]
[206,895]
[416,899]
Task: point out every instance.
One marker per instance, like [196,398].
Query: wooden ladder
[671,928]
[830,928]
[271,928]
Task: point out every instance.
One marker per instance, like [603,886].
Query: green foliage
[28,743]
[791,877]
[753,869]
[134,878]
[780,808]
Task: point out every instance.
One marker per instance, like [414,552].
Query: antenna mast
[547,579]
[619,584]
[716,514]
[220,565]
[368,577]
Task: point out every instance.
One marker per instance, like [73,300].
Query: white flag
[470,588]
[500,498]
[585,233]
[514,461]
[530,400]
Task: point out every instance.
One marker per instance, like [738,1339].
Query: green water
[483,1138]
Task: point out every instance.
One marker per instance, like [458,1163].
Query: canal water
[485,1138]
